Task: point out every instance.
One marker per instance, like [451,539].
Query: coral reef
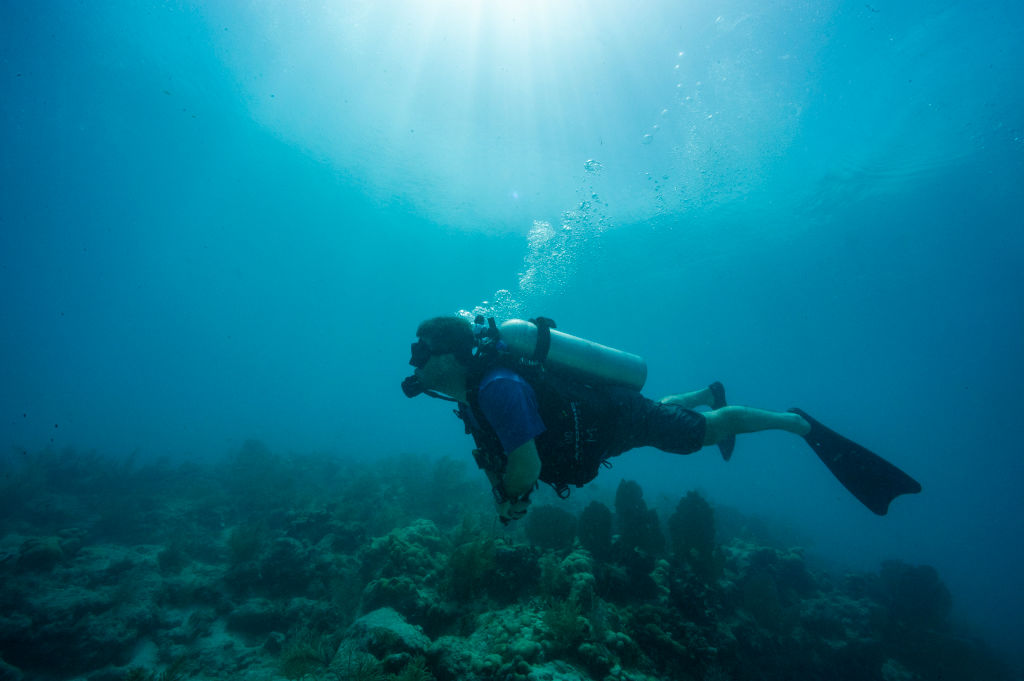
[550,527]
[268,567]
[595,530]
[639,527]
[692,530]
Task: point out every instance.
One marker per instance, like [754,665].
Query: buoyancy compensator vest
[578,384]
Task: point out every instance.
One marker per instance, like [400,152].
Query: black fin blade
[873,480]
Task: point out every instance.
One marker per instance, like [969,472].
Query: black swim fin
[869,477]
[717,402]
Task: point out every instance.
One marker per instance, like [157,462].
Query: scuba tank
[589,361]
[535,343]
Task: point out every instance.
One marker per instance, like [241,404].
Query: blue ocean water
[225,222]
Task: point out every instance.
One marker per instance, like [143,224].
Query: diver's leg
[697,398]
[712,396]
[730,421]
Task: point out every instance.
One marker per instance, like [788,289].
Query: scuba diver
[546,406]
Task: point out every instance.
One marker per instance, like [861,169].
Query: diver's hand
[512,509]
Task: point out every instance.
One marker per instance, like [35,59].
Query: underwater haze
[223,222]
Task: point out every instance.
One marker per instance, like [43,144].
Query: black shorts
[599,423]
[643,422]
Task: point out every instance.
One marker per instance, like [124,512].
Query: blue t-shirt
[509,404]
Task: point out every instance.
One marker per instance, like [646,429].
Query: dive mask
[421,354]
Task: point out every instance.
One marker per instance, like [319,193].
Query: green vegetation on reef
[265,566]
[567,624]
[306,654]
[470,565]
[174,672]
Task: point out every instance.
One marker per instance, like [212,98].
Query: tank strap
[544,326]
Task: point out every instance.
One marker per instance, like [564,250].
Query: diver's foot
[803,427]
[717,395]
[727,445]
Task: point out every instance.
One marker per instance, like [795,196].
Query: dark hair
[449,334]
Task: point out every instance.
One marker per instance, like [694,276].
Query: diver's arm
[519,477]
[522,470]
[512,492]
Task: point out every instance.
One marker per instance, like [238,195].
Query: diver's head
[445,335]
[441,357]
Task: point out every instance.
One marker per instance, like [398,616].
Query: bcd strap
[544,326]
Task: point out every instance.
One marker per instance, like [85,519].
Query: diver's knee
[711,428]
[722,423]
